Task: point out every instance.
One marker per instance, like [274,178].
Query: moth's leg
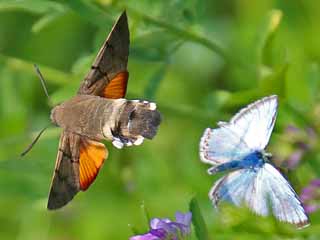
[121,133]
[232,165]
[117,142]
[68,155]
[138,120]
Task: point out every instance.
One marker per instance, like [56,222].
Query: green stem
[186,35]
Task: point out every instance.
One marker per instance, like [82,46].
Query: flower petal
[183,218]
[147,236]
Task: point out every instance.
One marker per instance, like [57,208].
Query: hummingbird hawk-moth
[98,112]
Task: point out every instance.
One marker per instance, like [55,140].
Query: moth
[238,147]
[98,112]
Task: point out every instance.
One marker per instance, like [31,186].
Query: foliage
[200,61]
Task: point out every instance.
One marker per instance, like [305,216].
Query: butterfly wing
[255,123]
[221,145]
[260,189]
[108,76]
[248,131]
[233,187]
[284,201]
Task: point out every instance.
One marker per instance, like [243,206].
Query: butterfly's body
[238,146]
[252,161]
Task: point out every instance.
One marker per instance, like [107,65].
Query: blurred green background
[200,61]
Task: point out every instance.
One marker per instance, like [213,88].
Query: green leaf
[313,78]
[145,213]
[154,83]
[50,74]
[66,92]
[45,21]
[133,229]
[82,65]
[198,221]
[183,34]
[158,43]
[90,12]
[241,98]
[275,82]
[267,33]
[34,6]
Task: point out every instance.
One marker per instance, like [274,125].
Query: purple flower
[310,196]
[165,229]
[294,159]
[301,141]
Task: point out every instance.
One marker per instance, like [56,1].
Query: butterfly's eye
[268,155]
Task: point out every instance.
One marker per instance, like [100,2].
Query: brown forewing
[111,60]
[65,182]
[78,162]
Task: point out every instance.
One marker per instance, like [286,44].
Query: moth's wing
[78,162]
[260,189]
[254,123]
[108,75]
[65,182]
[221,145]
[92,156]
[284,201]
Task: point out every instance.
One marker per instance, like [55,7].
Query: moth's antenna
[46,92]
[33,142]
[42,82]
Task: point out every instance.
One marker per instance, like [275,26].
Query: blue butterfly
[238,147]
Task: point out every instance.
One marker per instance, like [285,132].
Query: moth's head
[58,115]
[144,121]
[54,115]
[140,119]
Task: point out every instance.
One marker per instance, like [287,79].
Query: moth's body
[98,112]
[88,115]
[121,121]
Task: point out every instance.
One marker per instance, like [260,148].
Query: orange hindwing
[117,87]
[92,156]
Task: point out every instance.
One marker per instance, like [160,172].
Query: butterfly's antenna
[42,82]
[33,142]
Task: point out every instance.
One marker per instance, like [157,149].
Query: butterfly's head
[266,156]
